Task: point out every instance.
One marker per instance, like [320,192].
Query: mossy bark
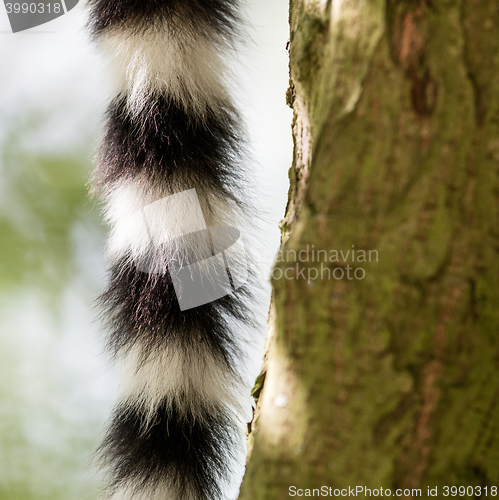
[391,380]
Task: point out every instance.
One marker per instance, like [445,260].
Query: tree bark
[389,379]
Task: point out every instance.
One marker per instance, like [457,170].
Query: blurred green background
[55,390]
[50,271]
[56,385]
[51,268]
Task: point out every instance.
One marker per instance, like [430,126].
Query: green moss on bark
[388,381]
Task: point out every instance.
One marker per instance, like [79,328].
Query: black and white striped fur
[170,128]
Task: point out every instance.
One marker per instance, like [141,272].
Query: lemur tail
[171,129]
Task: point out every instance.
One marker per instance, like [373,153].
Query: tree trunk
[382,364]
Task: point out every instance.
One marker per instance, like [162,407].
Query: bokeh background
[56,384]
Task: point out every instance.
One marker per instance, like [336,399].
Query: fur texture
[173,132]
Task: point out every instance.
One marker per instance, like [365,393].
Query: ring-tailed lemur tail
[171,129]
